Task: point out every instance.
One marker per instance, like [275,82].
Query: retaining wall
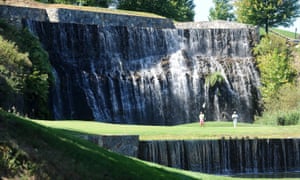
[15,15]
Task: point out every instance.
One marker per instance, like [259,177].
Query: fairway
[211,130]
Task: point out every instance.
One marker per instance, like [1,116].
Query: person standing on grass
[235,117]
[201,118]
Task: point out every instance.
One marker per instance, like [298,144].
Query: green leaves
[179,10]
[267,13]
[214,78]
[221,11]
[275,64]
[13,64]
[25,72]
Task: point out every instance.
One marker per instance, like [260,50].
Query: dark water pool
[270,175]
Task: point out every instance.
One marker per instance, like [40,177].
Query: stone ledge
[218,24]
[15,15]
[125,145]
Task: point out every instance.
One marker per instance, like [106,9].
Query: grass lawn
[211,130]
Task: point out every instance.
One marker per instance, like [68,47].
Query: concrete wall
[15,15]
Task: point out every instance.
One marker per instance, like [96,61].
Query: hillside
[32,151]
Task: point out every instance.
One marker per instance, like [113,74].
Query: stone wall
[15,15]
[126,145]
[217,24]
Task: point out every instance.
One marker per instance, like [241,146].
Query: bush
[290,118]
[281,118]
[25,71]
[275,62]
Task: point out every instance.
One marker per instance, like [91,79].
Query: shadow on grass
[58,154]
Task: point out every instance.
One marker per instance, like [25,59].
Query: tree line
[264,13]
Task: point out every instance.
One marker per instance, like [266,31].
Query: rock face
[136,75]
[225,156]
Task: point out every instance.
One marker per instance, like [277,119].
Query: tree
[275,62]
[97,3]
[179,10]
[267,13]
[222,10]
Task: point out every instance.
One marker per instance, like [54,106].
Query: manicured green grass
[211,130]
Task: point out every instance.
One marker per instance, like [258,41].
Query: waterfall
[225,156]
[149,75]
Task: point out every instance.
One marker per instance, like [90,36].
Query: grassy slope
[40,152]
[285,33]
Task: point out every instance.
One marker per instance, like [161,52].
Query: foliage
[274,60]
[290,118]
[179,10]
[222,10]
[13,65]
[267,13]
[14,161]
[98,3]
[26,70]
[214,78]
[280,117]
[288,99]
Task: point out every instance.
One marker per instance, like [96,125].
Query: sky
[202,13]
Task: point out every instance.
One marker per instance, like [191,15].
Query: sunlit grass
[35,4]
[285,33]
[56,147]
[211,130]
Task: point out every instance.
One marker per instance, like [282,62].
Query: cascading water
[149,75]
[225,156]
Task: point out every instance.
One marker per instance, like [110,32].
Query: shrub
[214,78]
[25,71]
[275,60]
[281,118]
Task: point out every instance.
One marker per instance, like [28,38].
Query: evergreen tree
[268,13]
[222,10]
